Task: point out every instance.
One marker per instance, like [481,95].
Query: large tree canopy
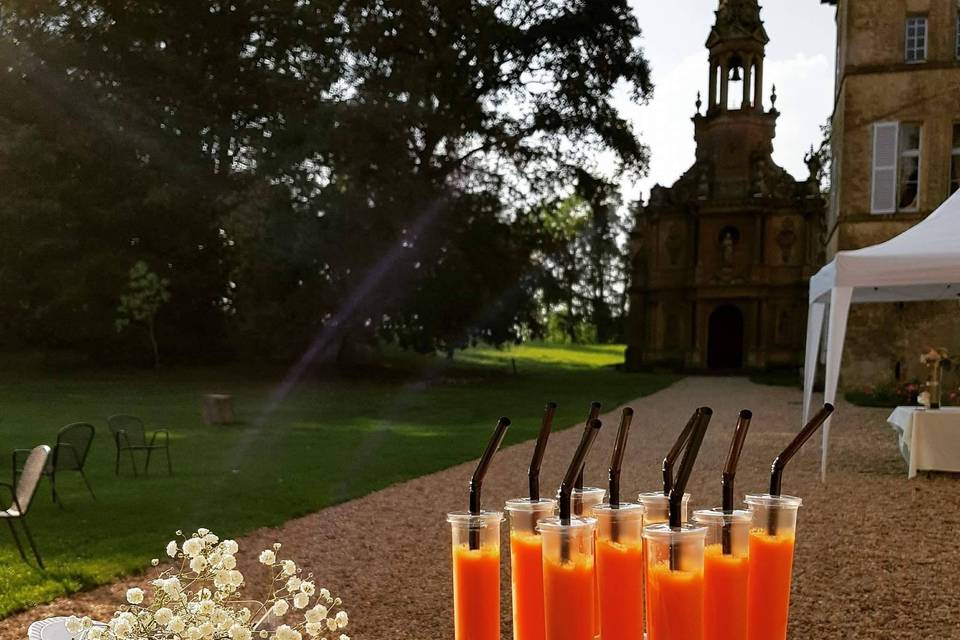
[301,172]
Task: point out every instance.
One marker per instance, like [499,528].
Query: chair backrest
[30,476]
[73,445]
[132,426]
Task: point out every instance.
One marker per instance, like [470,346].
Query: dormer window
[916,40]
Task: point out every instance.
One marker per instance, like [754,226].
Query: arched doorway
[725,338]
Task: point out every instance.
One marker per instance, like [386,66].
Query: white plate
[54,628]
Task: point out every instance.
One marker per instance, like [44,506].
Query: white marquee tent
[922,263]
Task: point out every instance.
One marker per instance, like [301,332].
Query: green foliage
[329,440]
[339,169]
[146,293]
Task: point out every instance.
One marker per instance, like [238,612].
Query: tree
[146,294]
[343,169]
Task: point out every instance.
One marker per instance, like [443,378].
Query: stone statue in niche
[786,239]
[815,167]
[674,245]
[727,244]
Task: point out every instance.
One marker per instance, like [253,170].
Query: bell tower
[736,45]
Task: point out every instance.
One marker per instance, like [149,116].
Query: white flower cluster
[201,601]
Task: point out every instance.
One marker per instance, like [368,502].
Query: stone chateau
[721,259]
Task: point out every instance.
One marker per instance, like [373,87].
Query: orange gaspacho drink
[725,571]
[583,500]
[772,536]
[568,578]
[619,560]
[526,565]
[476,574]
[675,585]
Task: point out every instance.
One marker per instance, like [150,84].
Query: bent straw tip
[627,411]
[504,420]
[829,407]
[746,414]
[595,404]
[707,411]
[551,405]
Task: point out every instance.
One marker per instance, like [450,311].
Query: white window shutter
[883,197]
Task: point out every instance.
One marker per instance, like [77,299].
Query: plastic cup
[526,565]
[476,574]
[620,570]
[568,578]
[584,500]
[657,507]
[725,574]
[674,588]
[772,536]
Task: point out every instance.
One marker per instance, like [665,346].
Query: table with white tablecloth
[929,438]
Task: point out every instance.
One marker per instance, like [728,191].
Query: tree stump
[217,408]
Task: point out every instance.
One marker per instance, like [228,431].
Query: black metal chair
[69,454]
[129,435]
[21,496]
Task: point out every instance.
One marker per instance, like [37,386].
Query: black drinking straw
[616,463]
[780,462]
[729,473]
[566,487]
[675,451]
[533,474]
[594,412]
[476,482]
[683,475]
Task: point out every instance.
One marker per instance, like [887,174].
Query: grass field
[323,441]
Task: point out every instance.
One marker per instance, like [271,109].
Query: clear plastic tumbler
[526,565]
[620,570]
[674,578]
[476,574]
[657,507]
[725,571]
[772,536]
[568,578]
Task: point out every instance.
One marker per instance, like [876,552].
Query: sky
[799,60]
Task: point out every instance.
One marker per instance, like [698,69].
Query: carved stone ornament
[786,240]
[674,245]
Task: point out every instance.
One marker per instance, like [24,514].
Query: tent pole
[814,331]
[836,333]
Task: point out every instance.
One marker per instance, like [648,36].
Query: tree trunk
[153,343]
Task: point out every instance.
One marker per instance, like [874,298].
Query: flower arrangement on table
[203,600]
[938,361]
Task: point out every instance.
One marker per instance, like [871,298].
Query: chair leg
[53,488]
[16,538]
[133,462]
[33,546]
[87,482]
[169,466]
[116,467]
[146,466]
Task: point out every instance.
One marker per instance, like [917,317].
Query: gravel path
[877,555]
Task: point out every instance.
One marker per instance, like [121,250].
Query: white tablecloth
[929,438]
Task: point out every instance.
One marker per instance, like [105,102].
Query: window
[916,42]
[955,160]
[909,182]
[896,167]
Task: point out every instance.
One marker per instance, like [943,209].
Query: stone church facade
[721,259]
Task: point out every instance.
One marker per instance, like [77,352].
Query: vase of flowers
[201,598]
[936,360]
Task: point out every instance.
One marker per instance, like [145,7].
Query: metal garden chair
[21,495]
[129,435]
[69,454]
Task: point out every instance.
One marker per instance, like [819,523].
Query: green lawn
[327,440]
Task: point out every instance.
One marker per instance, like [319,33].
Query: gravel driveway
[877,555]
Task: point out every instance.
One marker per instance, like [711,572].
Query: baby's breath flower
[267,557]
[163,616]
[135,595]
[206,630]
[228,562]
[280,607]
[193,633]
[211,538]
[341,619]
[276,546]
[239,632]
[294,583]
[316,614]
[264,634]
[172,548]
[177,625]
[155,562]
[289,567]
[193,547]
[325,594]
[344,636]
[230,547]
[308,587]
[236,578]
[285,632]
[332,624]
[198,564]
[202,531]
[95,633]
[74,625]
[301,600]
[314,629]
